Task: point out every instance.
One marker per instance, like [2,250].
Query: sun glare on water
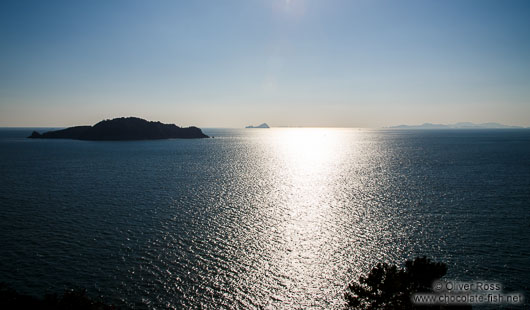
[307,163]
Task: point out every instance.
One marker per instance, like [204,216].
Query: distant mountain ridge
[124,128]
[461,125]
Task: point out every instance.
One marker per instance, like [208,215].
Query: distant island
[124,128]
[463,125]
[264,125]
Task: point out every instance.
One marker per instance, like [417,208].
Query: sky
[336,63]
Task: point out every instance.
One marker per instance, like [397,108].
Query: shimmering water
[279,218]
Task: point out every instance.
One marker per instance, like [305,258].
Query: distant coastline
[461,125]
[124,128]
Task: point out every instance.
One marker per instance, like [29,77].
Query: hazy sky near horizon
[344,63]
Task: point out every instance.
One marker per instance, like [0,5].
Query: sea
[280,218]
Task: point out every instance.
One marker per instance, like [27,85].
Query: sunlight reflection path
[308,163]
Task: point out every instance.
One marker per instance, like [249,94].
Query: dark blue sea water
[279,218]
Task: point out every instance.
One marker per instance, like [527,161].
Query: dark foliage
[72,299]
[388,287]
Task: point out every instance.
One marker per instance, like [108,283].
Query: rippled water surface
[279,218]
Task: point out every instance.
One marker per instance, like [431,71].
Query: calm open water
[279,218]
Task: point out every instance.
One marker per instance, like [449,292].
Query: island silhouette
[264,125]
[123,128]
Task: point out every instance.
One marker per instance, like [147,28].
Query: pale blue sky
[351,63]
